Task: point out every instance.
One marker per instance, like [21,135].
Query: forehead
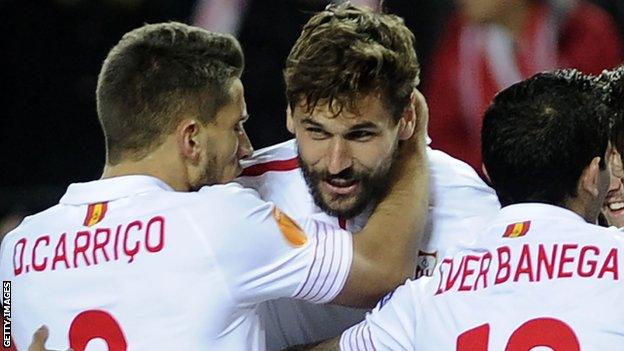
[237,92]
[368,108]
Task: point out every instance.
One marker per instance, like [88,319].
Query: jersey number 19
[92,324]
[548,332]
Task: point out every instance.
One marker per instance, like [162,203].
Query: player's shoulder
[220,205]
[587,234]
[612,235]
[282,156]
[456,185]
[231,194]
[211,198]
[553,222]
[407,297]
[31,223]
[449,171]
[224,190]
[50,212]
[233,199]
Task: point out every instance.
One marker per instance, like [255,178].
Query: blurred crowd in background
[52,50]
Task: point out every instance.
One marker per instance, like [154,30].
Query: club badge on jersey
[291,230]
[427,262]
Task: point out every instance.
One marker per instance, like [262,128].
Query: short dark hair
[153,75]
[612,84]
[540,134]
[346,51]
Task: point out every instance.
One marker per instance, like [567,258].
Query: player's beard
[208,174]
[373,185]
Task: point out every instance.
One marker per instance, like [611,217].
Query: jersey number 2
[548,332]
[93,324]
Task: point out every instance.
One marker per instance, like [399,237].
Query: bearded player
[351,82]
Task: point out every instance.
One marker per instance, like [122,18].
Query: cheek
[233,142]
[373,154]
[311,151]
[228,148]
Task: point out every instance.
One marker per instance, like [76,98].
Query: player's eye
[361,135]
[317,133]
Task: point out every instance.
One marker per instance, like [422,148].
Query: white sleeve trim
[357,338]
[331,263]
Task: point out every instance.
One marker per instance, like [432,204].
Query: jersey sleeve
[264,254]
[390,326]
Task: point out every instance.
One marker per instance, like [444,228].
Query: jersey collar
[528,211]
[108,189]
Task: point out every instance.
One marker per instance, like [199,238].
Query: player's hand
[39,339]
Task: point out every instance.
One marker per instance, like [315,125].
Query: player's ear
[188,138]
[290,124]
[590,178]
[407,123]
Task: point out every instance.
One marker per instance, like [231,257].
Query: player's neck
[159,164]
[581,208]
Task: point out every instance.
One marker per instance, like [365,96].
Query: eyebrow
[309,120]
[363,125]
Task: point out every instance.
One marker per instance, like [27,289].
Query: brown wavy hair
[348,51]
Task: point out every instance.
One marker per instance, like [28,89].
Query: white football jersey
[457,194]
[538,278]
[129,264]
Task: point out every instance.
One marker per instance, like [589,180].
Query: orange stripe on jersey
[95,213]
[516,230]
[291,231]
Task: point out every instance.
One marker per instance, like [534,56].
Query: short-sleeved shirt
[156,269]
[539,275]
[457,194]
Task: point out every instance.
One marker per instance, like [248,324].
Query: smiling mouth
[340,187]
[615,206]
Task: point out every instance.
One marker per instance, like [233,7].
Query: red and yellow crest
[516,230]
[95,213]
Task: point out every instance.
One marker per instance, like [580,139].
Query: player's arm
[384,252]
[390,326]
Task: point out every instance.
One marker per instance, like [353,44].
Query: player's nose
[338,156]
[245,149]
